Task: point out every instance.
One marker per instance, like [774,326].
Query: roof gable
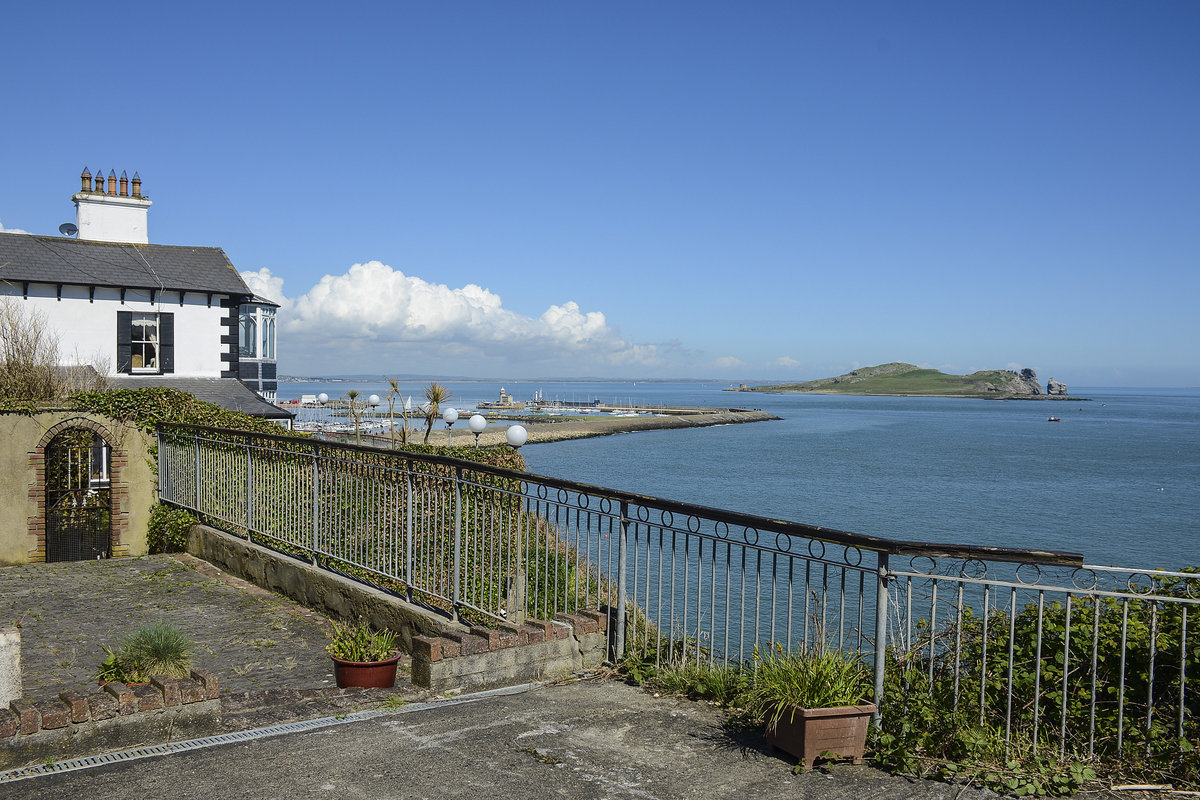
[53,259]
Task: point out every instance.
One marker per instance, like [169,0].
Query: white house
[152,314]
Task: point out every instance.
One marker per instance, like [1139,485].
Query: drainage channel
[150,751]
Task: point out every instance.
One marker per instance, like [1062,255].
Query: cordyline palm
[353,395]
[435,395]
[392,395]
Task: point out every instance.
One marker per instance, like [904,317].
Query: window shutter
[124,337]
[166,343]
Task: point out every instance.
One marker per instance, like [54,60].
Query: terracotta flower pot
[365,674]
[807,733]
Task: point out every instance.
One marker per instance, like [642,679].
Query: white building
[150,314]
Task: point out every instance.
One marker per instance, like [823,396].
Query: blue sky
[767,190]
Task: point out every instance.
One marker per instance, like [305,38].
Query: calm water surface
[1118,479]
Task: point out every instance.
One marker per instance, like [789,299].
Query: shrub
[158,649]
[168,529]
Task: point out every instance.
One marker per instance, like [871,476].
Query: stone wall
[22,482]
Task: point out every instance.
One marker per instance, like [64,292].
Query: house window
[256,332]
[248,339]
[98,463]
[268,333]
[143,343]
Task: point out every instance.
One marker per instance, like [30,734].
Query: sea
[1116,478]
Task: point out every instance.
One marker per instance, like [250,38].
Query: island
[909,380]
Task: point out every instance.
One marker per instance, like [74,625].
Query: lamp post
[450,415]
[373,401]
[516,435]
[477,423]
[323,399]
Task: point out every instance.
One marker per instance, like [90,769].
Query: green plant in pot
[363,657]
[812,701]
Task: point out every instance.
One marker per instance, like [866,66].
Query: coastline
[558,429]
[958,395]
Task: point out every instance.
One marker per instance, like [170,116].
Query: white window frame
[138,343]
[248,334]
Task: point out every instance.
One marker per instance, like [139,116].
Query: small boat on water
[1054,419]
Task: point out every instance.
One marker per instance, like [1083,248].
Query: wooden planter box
[807,733]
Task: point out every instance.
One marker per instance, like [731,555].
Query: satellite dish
[68,229]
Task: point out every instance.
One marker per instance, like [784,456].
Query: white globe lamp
[516,435]
[477,423]
[449,416]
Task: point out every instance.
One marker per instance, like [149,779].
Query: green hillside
[906,379]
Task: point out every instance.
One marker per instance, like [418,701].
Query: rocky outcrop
[1053,387]
[1028,380]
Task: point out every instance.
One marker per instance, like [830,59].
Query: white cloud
[373,316]
[728,362]
[264,284]
[11,230]
[784,361]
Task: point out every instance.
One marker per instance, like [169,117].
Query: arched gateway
[78,496]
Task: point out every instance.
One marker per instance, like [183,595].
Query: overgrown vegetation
[31,368]
[148,408]
[168,528]
[934,726]
[947,715]
[158,649]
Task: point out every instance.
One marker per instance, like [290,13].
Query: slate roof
[224,392]
[54,259]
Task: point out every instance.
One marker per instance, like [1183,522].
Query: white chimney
[111,215]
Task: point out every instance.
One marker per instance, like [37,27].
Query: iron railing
[1026,640]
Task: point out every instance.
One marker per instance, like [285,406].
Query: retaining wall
[445,654]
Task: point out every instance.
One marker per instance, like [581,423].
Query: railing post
[409,539]
[457,539]
[249,494]
[881,619]
[622,599]
[161,473]
[198,509]
[316,506]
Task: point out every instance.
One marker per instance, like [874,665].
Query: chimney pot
[137,185]
[124,185]
[86,178]
[99,181]
[112,182]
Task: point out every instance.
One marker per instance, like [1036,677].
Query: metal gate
[78,497]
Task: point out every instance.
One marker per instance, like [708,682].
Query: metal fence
[1035,644]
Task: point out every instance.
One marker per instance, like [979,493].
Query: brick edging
[478,639]
[24,718]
